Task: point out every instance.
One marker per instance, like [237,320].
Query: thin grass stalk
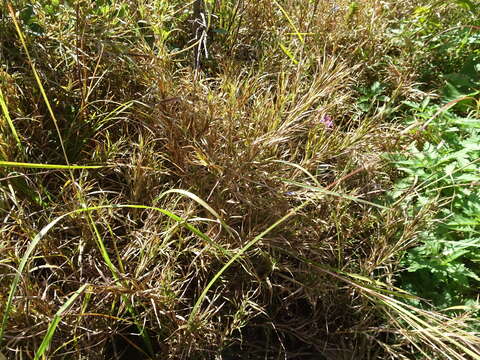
[33,244]
[39,82]
[47,339]
[115,274]
[429,331]
[49,166]
[257,238]
[10,123]
[290,21]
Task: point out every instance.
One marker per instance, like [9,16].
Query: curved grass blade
[287,52]
[432,328]
[301,168]
[20,269]
[48,227]
[202,203]
[292,212]
[321,190]
[290,21]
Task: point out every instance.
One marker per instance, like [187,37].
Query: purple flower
[327,121]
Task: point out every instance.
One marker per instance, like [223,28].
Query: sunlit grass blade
[37,78]
[116,112]
[21,267]
[302,169]
[202,203]
[287,52]
[33,244]
[372,283]
[10,123]
[14,164]
[441,110]
[290,21]
[47,339]
[130,306]
[240,252]
[320,190]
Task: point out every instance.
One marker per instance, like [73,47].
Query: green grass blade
[129,303]
[37,78]
[48,227]
[48,166]
[102,248]
[302,169]
[373,284]
[182,222]
[257,238]
[290,21]
[53,325]
[287,52]
[321,190]
[20,269]
[6,114]
[202,203]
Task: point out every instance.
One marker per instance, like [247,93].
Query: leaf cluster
[442,170]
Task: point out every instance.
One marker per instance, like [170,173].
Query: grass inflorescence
[210,179]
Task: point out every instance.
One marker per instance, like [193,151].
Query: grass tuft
[208,179]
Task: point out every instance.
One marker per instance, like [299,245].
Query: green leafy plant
[372,97]
[443,172]
[442,164]
[440,38]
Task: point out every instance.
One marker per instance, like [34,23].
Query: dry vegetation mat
[233,179]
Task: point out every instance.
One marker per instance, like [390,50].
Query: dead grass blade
[48,227]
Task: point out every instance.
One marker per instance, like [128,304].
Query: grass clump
[205,180]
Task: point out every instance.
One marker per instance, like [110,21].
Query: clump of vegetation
[442,162]
[443,172]
[204,180]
